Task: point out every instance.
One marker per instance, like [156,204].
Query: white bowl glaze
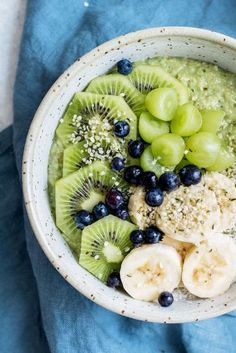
[169,41]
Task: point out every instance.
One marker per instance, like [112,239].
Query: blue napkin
[39,311]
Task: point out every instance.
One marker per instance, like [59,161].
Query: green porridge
[141,177]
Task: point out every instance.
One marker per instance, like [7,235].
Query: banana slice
[225,192]
[149,270]
[180,246]
[209,269]
[140,213]
[189,214]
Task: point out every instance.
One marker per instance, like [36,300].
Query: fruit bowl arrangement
[141,183]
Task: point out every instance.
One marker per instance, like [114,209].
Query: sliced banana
[210,268]
[149,270]
[140,213]
[225,192]
[189,214]
[180,246]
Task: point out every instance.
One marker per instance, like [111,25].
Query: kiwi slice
[92,116]
[83,190]
[75,157]
[118,85]
[145,78]
[104,245]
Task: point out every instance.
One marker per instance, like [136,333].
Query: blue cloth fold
[39,311]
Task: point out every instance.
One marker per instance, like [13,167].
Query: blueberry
[154,197]
[121,128]
[100,210]
[114,199]
[165,299]
[114,280]
[137,237]
[122,213]
[169,181]
[117,163]
[149,180]
[152,235]
[124,66]
[190,175]
[132,174]
[135,148]
[83,218]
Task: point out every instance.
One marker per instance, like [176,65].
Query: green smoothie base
[209,87]
[54,170]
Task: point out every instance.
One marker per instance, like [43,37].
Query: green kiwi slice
[104,245]
[75,157]
[146,78]
[83,190]
[118,85]
[91,116]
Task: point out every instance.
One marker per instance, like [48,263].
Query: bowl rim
[191,32]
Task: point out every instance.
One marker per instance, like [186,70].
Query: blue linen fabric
[39,311]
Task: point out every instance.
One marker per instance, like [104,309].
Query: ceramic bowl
[169,41]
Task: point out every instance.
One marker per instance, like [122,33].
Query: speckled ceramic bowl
[169,41]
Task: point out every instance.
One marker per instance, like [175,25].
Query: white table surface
[12,13]
[11,24]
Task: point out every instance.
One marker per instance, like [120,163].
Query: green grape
[151,127]
[150,164]
[211,120]
[224,160]
[203,149]
[168,149]
[162,103]
[187,120]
